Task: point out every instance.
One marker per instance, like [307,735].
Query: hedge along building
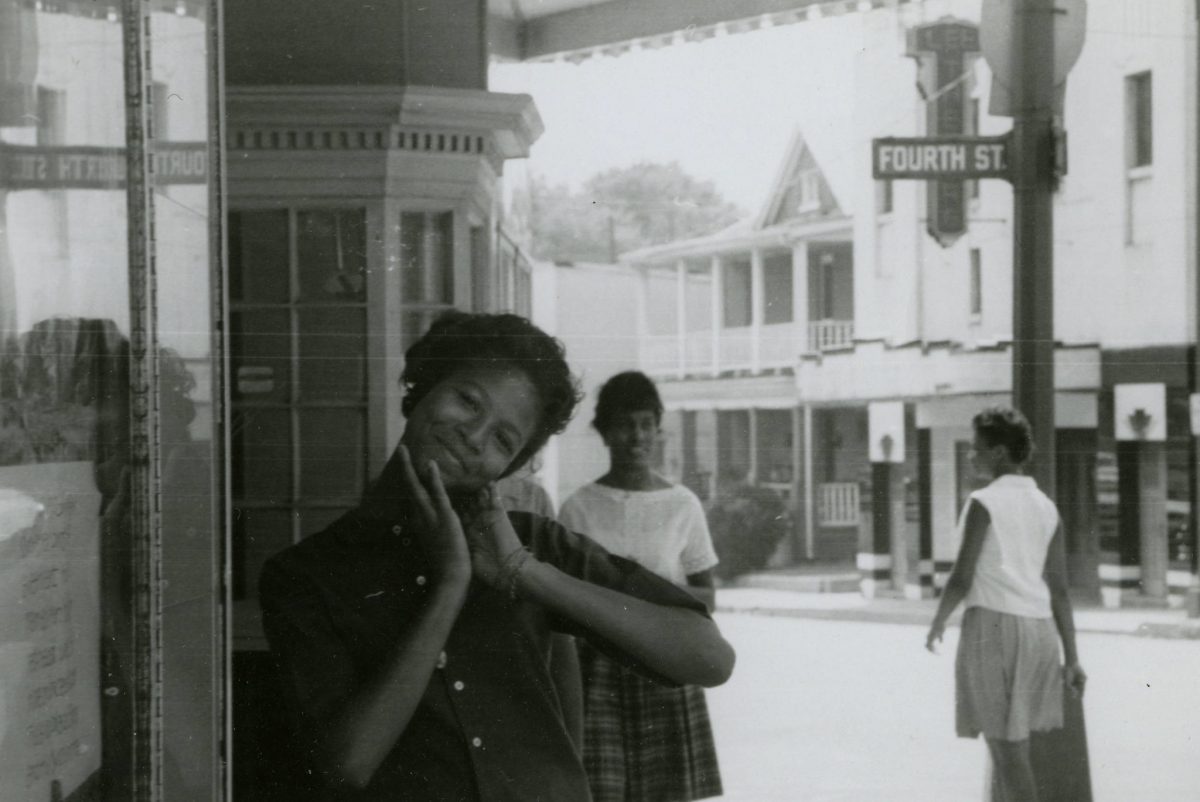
[882,409]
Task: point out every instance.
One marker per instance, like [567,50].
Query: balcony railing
[826,335]
[778,345]
[837,504]
[774,345]
[736,348]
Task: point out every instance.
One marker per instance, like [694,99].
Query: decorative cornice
[418,118]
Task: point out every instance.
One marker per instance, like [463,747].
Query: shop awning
[532,30]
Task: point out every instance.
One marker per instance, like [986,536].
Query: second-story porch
[745,310]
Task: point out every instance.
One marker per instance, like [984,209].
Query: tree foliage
[622,209]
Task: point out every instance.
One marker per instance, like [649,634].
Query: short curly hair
[460,339]
[1004,426]
[630,391]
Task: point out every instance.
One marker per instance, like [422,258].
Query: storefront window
[298,343]
[109,588]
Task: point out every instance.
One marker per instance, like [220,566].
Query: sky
[724,108]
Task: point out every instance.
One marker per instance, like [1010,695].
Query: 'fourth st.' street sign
[940,157]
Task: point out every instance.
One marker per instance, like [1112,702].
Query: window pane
[1140,100]
[427,257]
[976,281]
[737,294]
[258,256]
[257,534]
[261,355]
[777,289]
[332,354]
[733,444]
[332,454]
[331,249]
[68,598]
[262,454]
[412,257]
[444,256]
[314,520]
[773,428]
[698,303]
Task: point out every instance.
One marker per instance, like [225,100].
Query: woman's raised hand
[496,551]
[440,532]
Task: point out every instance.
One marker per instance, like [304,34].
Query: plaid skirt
[642,741]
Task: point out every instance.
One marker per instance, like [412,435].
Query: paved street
[851,711]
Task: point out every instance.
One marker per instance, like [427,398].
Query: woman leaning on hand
[412,635]
[1011,574]
[643,741]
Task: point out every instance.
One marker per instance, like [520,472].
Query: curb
[1184,630]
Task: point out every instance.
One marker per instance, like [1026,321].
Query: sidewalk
[831,596]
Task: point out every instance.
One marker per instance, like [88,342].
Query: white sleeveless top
[1008,576]
[663,530]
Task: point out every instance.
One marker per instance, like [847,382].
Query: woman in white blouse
[1011,575]
[643,741]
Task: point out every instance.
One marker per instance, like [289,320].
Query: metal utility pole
[1033,95]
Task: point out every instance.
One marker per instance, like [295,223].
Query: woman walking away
[1011,574]
[643,741]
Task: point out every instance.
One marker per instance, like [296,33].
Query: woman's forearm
[678,643]
[564,673]
[952,596]
[359,738]
[1064,619]
[708,595]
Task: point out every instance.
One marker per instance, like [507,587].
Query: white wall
[595,315]
[1106,290]
[909,288]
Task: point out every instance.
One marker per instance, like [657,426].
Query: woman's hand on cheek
[440,532]
[492,539]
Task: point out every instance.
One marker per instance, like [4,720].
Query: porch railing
[825,335]
[837,504]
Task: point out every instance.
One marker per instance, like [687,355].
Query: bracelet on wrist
[510,571]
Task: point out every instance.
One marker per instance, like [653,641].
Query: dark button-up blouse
[489,726]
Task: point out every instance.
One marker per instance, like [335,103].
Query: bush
[747,525]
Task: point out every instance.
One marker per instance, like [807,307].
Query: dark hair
[631,391]
[1002,426]
[458,339]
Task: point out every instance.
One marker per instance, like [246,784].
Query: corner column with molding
[389,149]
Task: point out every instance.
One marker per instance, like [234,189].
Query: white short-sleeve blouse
[662,530]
